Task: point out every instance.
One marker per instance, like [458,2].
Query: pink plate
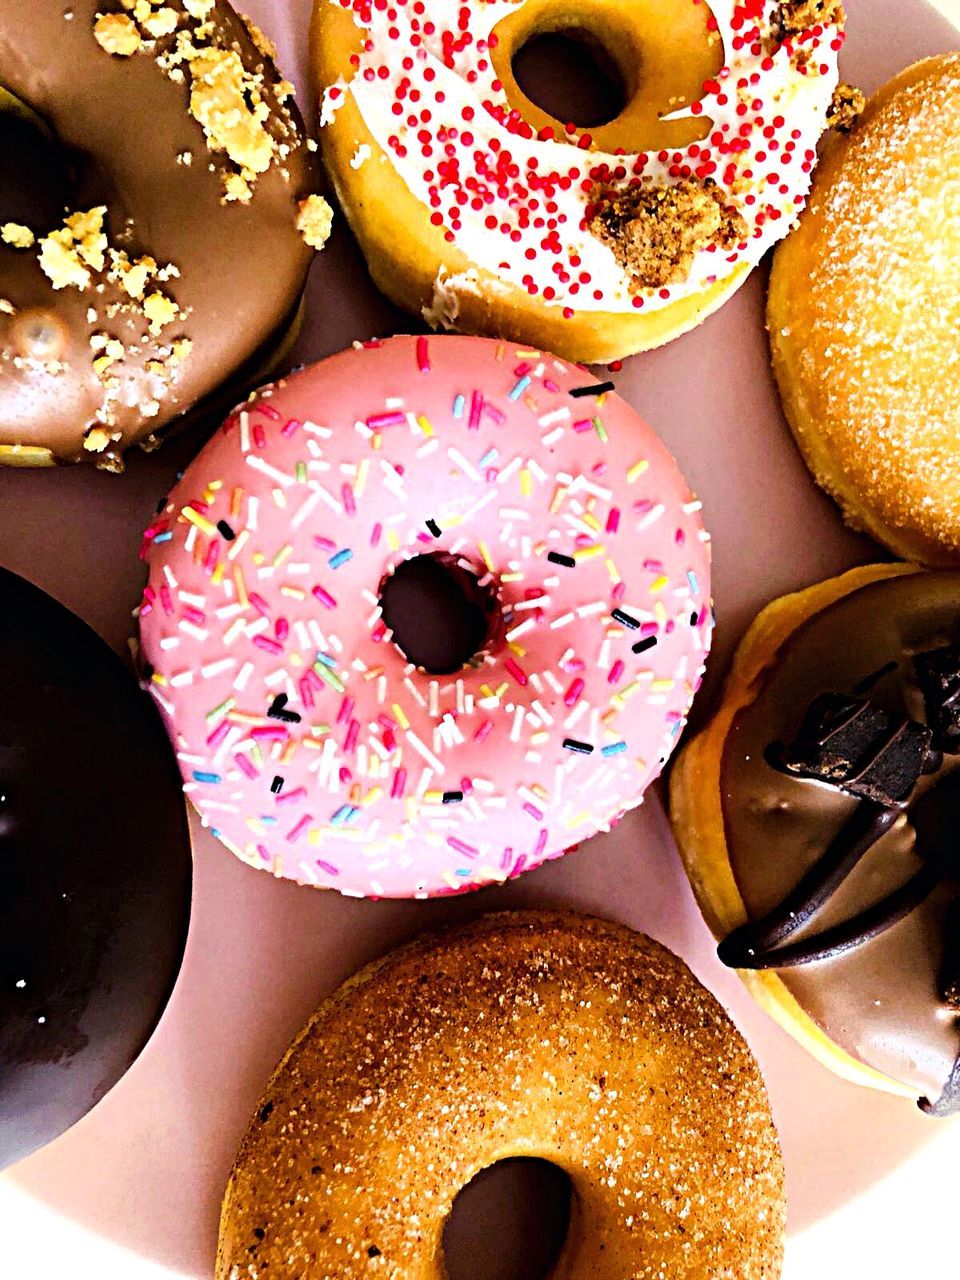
[147,1167]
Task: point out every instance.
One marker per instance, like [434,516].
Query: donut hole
[510,1222]
[442,611]
[571,76]
[34,174]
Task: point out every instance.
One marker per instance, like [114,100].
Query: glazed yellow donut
[483,213]
[537,1034]
[864,311]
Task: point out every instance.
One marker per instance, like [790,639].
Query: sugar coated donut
[560,526]
[488,215]
[156,204]
[96,869]
[837,743]
[863,312]
[537,1034]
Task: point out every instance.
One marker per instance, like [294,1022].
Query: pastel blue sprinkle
[340,558]
[692,579]
[459,404]
[200,775]
[163,537]
[463,872]
[268,820]
[520,388]
[613,749]
[327,660]
[490,456]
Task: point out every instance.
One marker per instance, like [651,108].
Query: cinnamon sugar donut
[864,311]
[537,1034]
[487,214]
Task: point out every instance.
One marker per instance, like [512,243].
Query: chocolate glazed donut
[96,859]
[156,218]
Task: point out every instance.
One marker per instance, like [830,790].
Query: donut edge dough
[553,933]
[892,520]
[696,810]
[424,275]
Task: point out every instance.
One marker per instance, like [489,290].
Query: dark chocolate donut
[97,869]
[156,219]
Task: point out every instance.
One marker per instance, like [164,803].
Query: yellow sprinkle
[217,576]
[258,558]
[202,523]
[361,477]
[376,441]
[526,482]
[588,553]
[400,717]
[540,790]
[372,796]
[246,717]
[433,797]
[295,660]
[256,826]
[425,425]
[288,751]
[501,689]
[629,690]
[518,649]
[511,577]
[637,470]
[538,739]
[590,520]
[295,593]
[661,686]
[157,678]
[486,691]
[659,612]
[410,805]
[659,583]
[282,555]
[612,570]
[558,496]
[313,836]
[241,587]
[485,554]
[577,819]
[393,539]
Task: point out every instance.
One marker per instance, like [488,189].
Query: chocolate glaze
[96,857]
[120,124]
[883,924]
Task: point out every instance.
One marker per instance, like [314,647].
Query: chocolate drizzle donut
[156,219]
[826,859]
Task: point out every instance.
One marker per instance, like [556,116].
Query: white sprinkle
[260,464]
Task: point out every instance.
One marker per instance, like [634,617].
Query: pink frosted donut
[307,739]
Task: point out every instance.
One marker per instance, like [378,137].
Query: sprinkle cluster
[517,201]
[306,738]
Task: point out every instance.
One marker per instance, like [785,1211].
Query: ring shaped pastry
[547,1035]
[152,172]
[863,311]
[307,737]
[817,816]
[96,864]
[476,208]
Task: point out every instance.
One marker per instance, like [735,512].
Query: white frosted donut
[478,208]
[307,739]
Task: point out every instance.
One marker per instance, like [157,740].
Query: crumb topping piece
[796,16]
[225,101]
[314,221]
[16,235]
[846,108]
[117,34]
[68,254]
[655,233]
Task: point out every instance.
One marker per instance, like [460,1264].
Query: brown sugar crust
[656,232]
[174,258]
[796,16]
[542,1034]
[863,313]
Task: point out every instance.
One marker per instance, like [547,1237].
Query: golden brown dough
[864,312]
[542,1034]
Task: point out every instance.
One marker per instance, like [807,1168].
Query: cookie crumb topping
[656,232]
[16,235]
[314,221]
[117,34]
[797,16]
[846,108]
